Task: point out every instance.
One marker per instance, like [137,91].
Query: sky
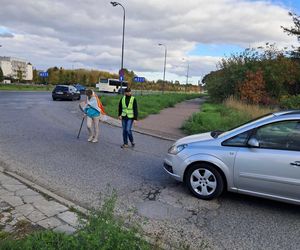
[196,34]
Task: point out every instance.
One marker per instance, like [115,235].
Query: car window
[281,135]
[238,140]
[61,88]
[249,123]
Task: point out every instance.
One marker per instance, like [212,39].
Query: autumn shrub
[252,89]
[256,76]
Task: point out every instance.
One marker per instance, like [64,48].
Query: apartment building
[15,68]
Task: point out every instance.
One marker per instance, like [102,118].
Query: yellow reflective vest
[127,111]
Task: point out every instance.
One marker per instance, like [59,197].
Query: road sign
[43,74]
[121,73]
[121,78]
[139,79]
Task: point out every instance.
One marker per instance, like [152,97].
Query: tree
[294,31]
[1,75]
[20,74]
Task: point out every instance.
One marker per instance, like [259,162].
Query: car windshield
[219,134]
[61,88]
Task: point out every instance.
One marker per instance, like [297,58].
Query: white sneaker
[94,140]
[90,139]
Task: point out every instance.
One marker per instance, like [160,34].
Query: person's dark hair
[89,93]
[127,90]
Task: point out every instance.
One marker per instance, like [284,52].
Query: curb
[71,204]
[113,122]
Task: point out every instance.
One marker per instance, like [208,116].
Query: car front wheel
[204,181]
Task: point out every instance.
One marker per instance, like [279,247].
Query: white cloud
[88,33]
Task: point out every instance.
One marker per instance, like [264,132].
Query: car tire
[204,181]
[54,99]
[79,97]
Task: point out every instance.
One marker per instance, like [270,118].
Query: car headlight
[175,149]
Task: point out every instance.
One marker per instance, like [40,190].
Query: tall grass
[222,116]
[253,111]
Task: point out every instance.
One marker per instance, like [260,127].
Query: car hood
[195,138]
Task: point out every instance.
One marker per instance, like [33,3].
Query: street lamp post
[187,74]
[114,4]
[164,78]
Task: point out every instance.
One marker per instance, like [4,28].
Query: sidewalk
[23,207]
[168,122]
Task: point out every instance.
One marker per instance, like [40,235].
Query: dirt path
[169,121]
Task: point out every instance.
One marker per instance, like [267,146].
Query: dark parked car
[65,92]
[80,88]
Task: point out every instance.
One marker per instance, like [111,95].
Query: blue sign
[121,78]
[121,72]
[43,74]
[139,79]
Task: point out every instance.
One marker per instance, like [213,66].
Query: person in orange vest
[128,113]
[93,108]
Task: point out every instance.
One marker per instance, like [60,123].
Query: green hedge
[290,102]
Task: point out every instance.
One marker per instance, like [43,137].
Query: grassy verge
[25,87]
[147,104]
[222,116]
[101,231]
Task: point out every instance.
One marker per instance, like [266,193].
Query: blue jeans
[127,133]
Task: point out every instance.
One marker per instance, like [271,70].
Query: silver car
[260,158]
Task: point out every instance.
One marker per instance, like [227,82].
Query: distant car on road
[260,158]
[80,88]
[65,92]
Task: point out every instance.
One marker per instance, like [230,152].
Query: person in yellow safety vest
[128,113]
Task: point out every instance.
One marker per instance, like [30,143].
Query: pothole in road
[152,195]
[161,211]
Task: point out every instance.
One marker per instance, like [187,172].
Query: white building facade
[16,68]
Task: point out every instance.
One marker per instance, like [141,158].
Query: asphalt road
[38,141]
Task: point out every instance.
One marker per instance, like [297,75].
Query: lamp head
[114,3]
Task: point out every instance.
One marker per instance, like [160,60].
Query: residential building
[15,68]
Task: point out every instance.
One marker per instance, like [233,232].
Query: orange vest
[100,105]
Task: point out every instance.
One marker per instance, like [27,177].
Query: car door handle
[296,163]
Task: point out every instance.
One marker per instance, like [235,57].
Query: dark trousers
[127,133]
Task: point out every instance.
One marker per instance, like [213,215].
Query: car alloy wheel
[204,181]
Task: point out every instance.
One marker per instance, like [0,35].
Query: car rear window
[61,88]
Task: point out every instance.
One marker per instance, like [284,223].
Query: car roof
[287,112]
[60,85]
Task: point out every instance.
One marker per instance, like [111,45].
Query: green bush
[290,102]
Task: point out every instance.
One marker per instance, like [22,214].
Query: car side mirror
[253,142]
